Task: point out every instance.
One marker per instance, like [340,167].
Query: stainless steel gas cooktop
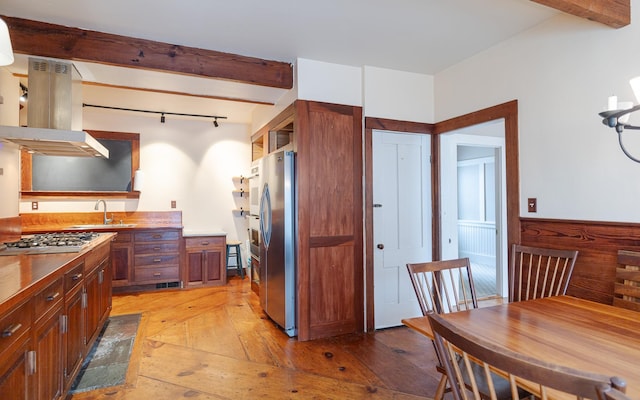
[69,242]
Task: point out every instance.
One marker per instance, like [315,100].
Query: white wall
[561,73]
[186,160]
[403,96]
[9,154]
[330,83]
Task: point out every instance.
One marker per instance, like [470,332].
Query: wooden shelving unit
[241,195]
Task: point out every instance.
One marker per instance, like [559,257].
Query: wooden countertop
[22,276]
[201,232]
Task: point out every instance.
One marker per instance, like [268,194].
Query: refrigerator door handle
[265,216]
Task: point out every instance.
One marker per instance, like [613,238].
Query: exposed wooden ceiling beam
[57,41]
[614,13]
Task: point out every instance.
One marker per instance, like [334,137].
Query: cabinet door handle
[157,273]
[11,330]
[204,244]
[76,277]
[100,276]
[31,362]
[52,297]
[157,260]
[156,249]
[157,236]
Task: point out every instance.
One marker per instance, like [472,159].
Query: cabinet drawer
[14,326]
[157,259]
[73,277]
[48,297]
[157,274]
[152,248]
[153,236]
[123,237]
[208,242]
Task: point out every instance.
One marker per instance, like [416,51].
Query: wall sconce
[6,51]
[617,116]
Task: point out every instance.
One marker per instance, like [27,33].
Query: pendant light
[6,51]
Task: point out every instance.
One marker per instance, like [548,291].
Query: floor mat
[107,361]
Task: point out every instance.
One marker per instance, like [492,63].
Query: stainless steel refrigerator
[277,250]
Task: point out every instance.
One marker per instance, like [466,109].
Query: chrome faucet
[97,206]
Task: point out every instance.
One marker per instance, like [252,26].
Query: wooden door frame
[507,111]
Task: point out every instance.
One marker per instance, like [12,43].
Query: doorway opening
[473,197]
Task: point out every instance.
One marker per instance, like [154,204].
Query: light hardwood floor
[216,343]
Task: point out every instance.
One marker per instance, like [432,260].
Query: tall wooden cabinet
[328,141]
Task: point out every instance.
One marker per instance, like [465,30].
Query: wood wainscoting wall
[598,244]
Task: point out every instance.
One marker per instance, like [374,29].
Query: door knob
[381,246]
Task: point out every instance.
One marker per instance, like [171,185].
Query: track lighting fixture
[162,113]
[25,93]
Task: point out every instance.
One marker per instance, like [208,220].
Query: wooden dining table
[564,330]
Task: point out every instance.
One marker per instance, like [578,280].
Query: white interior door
[401,221]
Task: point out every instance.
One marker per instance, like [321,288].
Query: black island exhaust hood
[54,114]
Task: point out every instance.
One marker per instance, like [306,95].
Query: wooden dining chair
[442,287]
[536,272]
[626,289]
[464,354]
[608,392]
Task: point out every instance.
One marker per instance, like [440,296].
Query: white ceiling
[423,36]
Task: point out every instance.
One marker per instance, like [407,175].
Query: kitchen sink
[102,226]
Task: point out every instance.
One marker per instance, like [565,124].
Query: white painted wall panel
[404,96]
[330,83]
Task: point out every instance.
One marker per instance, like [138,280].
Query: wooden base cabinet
[97,293]
[44,339]
[73,324]
[17,357]
[15,381]
[205,261]
[122,259]
[156,256]
[48,337]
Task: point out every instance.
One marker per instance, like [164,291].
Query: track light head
[162,119]
[25,93]
[215,122]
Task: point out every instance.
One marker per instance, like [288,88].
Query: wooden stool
[235,245]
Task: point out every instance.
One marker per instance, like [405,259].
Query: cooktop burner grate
[50,242]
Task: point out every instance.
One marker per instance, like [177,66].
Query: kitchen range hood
[54,114]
